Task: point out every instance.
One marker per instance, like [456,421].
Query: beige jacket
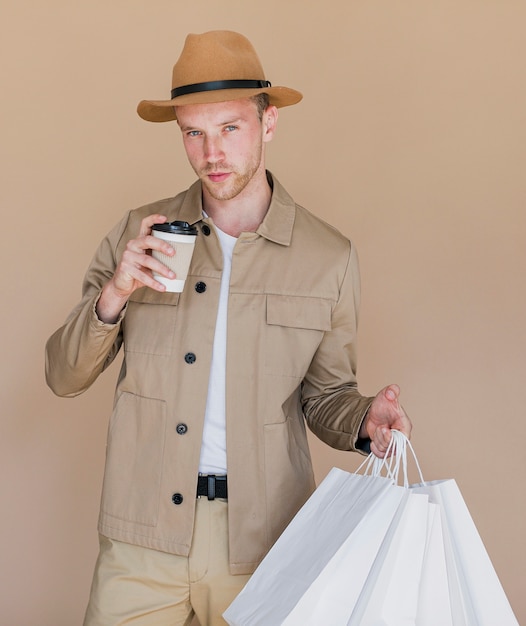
[292,318]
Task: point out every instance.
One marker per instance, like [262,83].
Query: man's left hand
[385,414]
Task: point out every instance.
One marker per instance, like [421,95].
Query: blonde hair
[261,100]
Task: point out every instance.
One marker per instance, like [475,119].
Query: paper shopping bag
[434,605]
[476,594]
[476,597]
[352,582]
[366,551]
[390,594]
[403,588]
[339,529]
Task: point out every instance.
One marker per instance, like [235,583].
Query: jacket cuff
[98,322]
[363,444]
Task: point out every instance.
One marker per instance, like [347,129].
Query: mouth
[218,177]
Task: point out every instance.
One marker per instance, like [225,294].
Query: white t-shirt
[213,447]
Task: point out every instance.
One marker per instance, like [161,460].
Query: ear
[270,120]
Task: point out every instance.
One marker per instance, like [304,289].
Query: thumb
[392,392]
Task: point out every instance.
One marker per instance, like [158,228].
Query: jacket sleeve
[333,407]
[84,346]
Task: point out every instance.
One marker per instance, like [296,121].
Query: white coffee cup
[181,236]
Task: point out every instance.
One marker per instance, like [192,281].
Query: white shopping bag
[339,529]
[434,605]
[390,594]
[476,594]
[476,597]
[407,585]
[365,551]
[353,579]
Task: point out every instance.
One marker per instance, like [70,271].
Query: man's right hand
[135,270]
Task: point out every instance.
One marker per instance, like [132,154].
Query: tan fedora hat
[215,67]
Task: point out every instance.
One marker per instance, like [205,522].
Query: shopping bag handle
[394,463]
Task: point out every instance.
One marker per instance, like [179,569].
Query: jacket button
[190,357]
[177,498]
[181,429]
[206,229]
[200,287]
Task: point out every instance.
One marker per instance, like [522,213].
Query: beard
[237,181]
[230,188]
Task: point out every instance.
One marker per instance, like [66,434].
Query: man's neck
[245,212]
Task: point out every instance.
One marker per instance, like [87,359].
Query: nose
[213,149]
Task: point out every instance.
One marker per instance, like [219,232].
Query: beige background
[411,139]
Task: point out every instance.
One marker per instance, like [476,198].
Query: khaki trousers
[144,587]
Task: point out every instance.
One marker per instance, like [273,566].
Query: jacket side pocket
[134,459]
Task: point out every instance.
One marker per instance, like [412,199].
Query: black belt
[212,486]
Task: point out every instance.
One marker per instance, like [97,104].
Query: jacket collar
[277,224]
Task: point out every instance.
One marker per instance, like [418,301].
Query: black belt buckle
[212,486]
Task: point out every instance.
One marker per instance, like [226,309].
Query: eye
[193,133]
[230,128]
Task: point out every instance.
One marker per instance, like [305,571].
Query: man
[219,380]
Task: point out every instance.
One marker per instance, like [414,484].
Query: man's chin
[222,190]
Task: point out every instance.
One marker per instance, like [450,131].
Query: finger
[148,280]
[149,221]
[134,262]
[377,450]
[392,392]
[136,269]
[383,439]
[147,242]
[142,272]
[154,243]
[406,425]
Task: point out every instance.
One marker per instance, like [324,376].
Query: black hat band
[214,85]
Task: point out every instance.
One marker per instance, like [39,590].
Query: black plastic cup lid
[176,228]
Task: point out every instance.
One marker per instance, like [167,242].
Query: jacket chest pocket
[149,324]
[295,327]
